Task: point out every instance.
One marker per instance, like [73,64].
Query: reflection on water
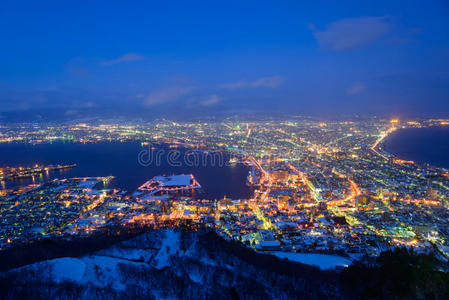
[121,160]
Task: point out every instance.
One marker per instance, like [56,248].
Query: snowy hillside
[171,264]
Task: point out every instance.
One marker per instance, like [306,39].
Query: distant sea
[422,145]
[120,159]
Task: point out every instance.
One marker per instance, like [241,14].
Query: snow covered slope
[171,264]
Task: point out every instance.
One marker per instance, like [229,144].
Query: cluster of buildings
[49,209]
[318,186]
[13,173]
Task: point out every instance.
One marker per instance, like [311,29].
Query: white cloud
[207,101]
[211,100]
[124,58]
[166,95]
[235,85]
[268,82]
[349,34]
[271,82]
[71,112]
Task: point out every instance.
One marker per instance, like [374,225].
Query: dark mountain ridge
[199,264]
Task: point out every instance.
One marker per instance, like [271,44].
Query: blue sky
[158,58]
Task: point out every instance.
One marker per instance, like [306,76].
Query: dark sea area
[422,145]
[120,159]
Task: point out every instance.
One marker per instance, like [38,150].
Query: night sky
[72,59]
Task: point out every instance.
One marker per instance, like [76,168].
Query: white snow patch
[67,268]
[169,246]
[196,277]
[126,253]
[323,261]
[100,271]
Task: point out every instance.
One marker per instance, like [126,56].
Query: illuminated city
[222,150]
[318,186]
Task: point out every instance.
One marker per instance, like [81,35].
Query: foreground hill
[171,264]
[179,264]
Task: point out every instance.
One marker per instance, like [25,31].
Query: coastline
[386,147]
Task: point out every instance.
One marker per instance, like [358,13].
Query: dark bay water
[121,160]
[422,145]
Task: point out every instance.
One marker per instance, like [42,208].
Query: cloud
[206,102]
[71,112]
[88,104]
[166,95]
[235,85]
[211,100]
[356,88]
[124,58]
[268,82]
[353,33]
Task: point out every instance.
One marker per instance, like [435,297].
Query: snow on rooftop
[175,180]
[87,184]
[273,243]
